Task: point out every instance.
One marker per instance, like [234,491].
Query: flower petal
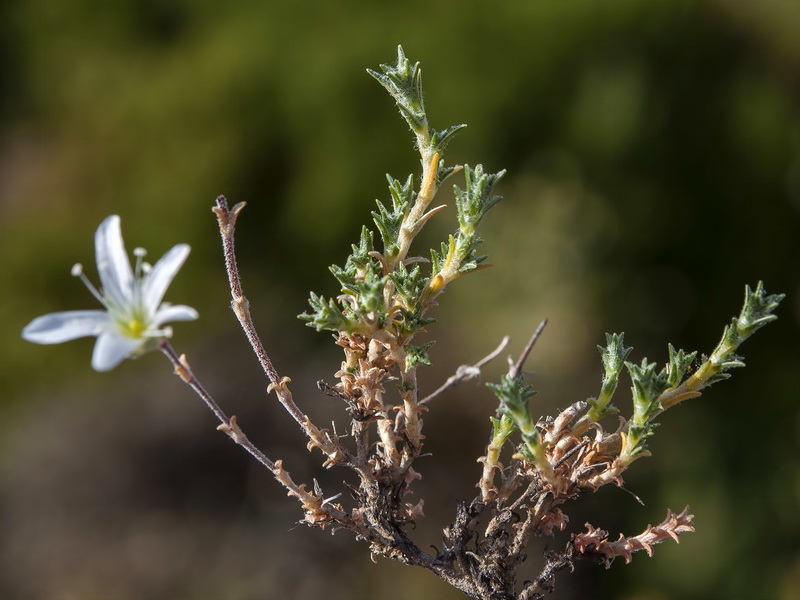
[65,326]
[161,275]
[169,313]
[113,265]
[111,349]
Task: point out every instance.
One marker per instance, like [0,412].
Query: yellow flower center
[134,328]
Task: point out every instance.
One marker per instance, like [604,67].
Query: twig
[318,510]
[183,371]
[545,582]
[467,372]
[572,451]
[515,369]
[241,306]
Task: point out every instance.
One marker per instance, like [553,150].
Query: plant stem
[317,510]
[241,308]
[467,372]
[185,373]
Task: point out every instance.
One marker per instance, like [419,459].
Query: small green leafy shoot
[613,356]
[514,394]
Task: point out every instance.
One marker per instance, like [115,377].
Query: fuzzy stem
[241,308]
[317,511]
[411,408]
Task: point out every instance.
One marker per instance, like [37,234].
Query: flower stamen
[77,271]
[140,267]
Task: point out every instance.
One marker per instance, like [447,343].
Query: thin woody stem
[516,368]
[185,373]
[317,510]
[413,425]
[241,306]
[466,372]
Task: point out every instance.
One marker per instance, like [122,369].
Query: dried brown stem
[241,307]
[467,372]
[595,541]
[515,369]
[240,304]
[317,511]
[228,425]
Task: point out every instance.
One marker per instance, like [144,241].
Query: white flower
[134,314]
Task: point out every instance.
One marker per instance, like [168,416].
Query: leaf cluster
[653,390]
[514,394]
[472,204]
[403,81]
[385,289]
[756,312]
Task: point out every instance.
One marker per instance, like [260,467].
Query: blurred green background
[653,156]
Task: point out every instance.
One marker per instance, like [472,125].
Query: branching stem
[316,509]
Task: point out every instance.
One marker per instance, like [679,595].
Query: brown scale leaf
[595,541]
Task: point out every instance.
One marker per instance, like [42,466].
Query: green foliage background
[653,151]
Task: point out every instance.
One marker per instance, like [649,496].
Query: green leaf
[404,82]
[325,315]
[417,355]
[477,199]
[440,139]
[613,356]
[756,312]
[647,387]
[679,363]
[409,285]
[389,221]
[368,291]
[637,436]
[514,394]
[472,204]
[444,171]
[501,429]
